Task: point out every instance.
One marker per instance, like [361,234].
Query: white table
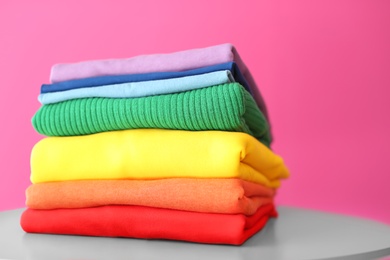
[296,234]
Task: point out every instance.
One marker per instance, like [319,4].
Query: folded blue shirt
[141,88]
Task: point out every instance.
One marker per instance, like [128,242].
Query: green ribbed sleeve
[227,107]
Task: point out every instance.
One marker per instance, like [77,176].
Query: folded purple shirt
[176,61]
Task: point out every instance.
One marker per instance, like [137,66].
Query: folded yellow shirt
[156,154]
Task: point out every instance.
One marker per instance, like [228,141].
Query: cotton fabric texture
[147,222]
[225,196]
[146,154]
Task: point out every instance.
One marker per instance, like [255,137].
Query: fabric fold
[148,223]
[142,88]
[227,196]
[227,107]
[156,154]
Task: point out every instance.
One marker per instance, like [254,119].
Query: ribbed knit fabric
[227,107]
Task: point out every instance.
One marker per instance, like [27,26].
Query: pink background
[322,66]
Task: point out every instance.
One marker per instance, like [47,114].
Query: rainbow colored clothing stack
[165,146]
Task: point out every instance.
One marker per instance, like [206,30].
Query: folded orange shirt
[147,222]
[231,196]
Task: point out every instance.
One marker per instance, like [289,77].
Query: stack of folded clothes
[166,146]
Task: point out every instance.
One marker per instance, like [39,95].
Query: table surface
[295,234]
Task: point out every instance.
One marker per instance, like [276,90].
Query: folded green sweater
[226,107]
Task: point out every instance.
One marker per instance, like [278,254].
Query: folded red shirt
[148,223]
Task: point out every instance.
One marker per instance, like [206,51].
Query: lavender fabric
[176,61]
